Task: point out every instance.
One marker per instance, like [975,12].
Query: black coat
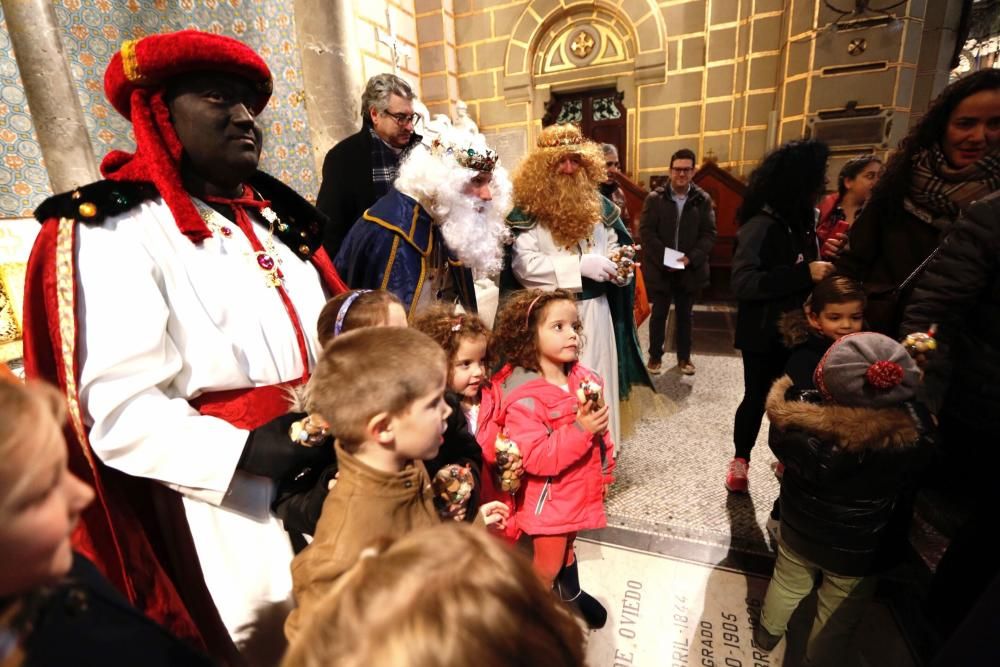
[85,621]
[770,277]
[807,348]
[960,292]
[881,254]
[695,236]
[347,189]
[299,500]
[845,468]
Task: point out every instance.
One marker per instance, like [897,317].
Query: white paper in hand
[671,258]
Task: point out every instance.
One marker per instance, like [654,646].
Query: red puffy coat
[487,431]
[565,467]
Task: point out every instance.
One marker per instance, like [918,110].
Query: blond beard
[567,205]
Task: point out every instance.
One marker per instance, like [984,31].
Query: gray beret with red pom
[867,370]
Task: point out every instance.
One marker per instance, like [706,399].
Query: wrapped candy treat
[625,257]
[309,432]
[590,391]
[453,486]
[921,343]
[509,468]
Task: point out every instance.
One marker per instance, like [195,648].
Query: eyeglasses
[682,170]
[610,164]
[403,118]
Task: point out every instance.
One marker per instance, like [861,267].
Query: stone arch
[606,26]
[642,19]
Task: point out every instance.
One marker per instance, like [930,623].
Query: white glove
[597,267]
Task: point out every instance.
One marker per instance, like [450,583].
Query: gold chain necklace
[267,260]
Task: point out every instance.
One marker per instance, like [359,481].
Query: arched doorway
[588,55]
[600,114]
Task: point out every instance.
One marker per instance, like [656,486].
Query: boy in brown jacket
[381,390]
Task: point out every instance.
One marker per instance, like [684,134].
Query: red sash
[247,408]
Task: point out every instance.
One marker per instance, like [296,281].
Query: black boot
[567,587]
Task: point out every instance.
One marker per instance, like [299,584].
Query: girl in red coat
[467,340]
[553,409]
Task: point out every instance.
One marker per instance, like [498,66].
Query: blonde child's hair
[377,369]
[449,329]
[22,407]
[516,329]
[447,596]
[369,309]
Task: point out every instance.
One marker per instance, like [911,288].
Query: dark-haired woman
[946,162]
[774,268]
[840,210]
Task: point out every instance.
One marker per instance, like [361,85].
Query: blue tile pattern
[94,29]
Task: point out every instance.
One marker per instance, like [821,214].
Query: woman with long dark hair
[947,161]
[774,268]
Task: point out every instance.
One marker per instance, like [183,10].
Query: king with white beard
[438,229]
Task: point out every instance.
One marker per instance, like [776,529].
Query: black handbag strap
[910,279]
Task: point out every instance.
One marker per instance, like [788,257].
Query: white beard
[474,230]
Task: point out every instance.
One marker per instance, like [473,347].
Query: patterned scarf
[939,192]
[385,165]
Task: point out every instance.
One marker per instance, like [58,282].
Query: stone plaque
[669,612]
[511,145]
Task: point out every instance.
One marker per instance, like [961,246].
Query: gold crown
[564,134]
[469,157]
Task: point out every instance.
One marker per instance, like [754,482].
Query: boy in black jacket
[848,449]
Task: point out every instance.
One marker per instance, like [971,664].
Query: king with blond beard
[565,231]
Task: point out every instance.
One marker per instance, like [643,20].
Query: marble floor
[671,471]
[683,564]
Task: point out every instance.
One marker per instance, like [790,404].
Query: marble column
[52,98]
[331,71]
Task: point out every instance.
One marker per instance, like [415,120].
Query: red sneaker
[736,478]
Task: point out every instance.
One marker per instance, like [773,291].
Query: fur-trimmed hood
[851,428]
[794,328]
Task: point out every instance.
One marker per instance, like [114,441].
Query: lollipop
[508,467]
[624,256]
[590,391]
[921,343]
[453,485]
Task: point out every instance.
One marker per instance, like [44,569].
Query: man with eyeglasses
[361,168]
[678,216]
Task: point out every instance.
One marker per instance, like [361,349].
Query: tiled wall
[23,181]
[727,78]
[94,29]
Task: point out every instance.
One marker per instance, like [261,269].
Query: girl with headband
[299,500]
[554,410]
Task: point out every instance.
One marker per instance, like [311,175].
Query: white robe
[538,261]
[162,321]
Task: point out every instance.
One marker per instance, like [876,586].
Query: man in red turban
[175,303]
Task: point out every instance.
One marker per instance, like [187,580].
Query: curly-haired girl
[466,340]
[554,409]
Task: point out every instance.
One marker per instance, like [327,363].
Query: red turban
[135,82]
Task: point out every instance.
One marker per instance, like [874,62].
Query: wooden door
[599,114]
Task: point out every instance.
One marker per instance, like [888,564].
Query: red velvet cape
[134,530]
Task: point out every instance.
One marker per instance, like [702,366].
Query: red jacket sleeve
[545,453]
